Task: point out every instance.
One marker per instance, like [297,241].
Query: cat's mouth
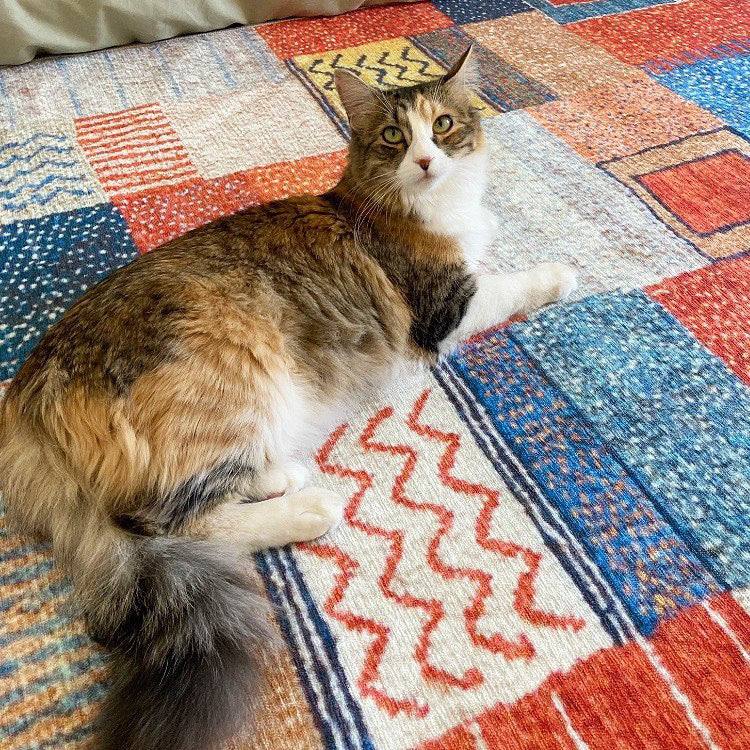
[429,180]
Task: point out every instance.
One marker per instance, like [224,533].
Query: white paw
[313,512]
[282,479]
[556,281]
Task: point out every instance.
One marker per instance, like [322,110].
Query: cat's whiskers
[375,200]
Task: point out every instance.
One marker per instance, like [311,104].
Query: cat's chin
[422,186]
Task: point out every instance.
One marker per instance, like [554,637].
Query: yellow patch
[394,62]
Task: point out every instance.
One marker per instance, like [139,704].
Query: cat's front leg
[500,296]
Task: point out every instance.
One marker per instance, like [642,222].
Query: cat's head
[410,141]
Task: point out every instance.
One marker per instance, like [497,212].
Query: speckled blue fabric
[45,264]
[719,86]
[568,12]
[673,412]
[653,571]
[469,11]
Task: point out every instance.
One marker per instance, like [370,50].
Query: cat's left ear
[464,70]
[358,98]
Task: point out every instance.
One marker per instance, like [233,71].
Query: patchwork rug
[547,541]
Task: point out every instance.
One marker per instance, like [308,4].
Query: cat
[153,432]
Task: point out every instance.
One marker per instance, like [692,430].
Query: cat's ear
[358,98]
[464,70]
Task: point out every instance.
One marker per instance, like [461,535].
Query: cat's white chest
[458,212]
[475,228]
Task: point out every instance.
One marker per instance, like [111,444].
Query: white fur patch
[450,201]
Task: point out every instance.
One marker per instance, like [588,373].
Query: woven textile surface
[547,540]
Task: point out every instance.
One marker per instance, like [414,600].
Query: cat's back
[215,281]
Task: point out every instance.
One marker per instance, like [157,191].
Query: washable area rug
[547,539]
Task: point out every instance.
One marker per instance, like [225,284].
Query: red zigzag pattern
[523,596]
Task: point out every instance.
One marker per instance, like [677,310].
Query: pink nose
[424,163]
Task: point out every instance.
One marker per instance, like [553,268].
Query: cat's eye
[442,125]
[392,135]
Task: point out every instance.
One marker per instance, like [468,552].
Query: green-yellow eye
[442,125]
[392,135]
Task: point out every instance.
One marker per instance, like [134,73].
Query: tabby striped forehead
[427,104]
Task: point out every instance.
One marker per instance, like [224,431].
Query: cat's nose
[424,162]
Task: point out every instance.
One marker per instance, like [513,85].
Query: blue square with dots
[469,11]
[45,264]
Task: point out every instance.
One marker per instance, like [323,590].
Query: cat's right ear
[358,98]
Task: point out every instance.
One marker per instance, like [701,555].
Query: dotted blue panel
[47,263]
[671,410]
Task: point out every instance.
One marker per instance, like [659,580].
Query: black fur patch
[439,304]
[166,514]
[437,293]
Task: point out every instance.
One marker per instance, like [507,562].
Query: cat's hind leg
[296,517]
[280,478]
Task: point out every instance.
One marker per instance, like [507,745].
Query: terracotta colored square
[307,36]
[736,618]
[533,722]
[714,304]
[634,693]
[619,698]
[679,31]
[711,671]
[612,121]
[314,174]
[698,186]
[707,194]
[542,50]
[158,215]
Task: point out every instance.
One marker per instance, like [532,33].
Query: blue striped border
[335,717]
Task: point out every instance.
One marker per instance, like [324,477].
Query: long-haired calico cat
[152,433]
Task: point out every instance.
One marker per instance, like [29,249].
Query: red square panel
[700,651]
[684,29]
[313,174]
[158,215]
[714,303]
[707,194]
[303,37]
[616,699]
[533,722]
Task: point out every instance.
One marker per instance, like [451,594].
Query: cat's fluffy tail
[187,648]
[183,615]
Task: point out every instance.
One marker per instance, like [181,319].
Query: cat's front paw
[313,512]
[556,281]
